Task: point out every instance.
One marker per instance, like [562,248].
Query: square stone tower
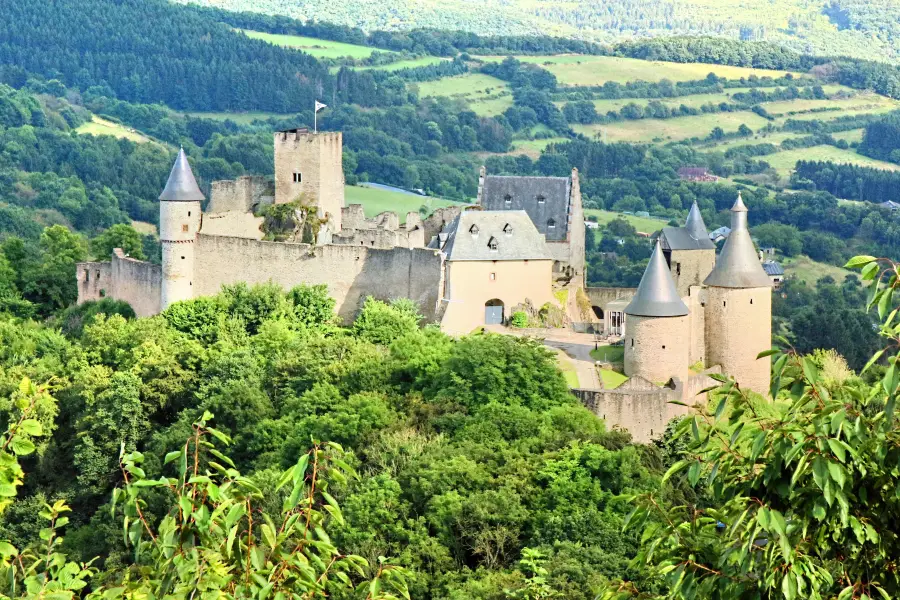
[311,164]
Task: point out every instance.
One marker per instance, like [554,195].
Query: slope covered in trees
[149,51]
[851,27]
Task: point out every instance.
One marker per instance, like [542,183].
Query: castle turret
[739,308]
[656,326]
[179,222]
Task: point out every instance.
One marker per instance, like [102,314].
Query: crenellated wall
[350,272]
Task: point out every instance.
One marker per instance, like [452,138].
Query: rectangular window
[184,228]
[493,276]
[298,178]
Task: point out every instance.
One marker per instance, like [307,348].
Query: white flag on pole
[320,106]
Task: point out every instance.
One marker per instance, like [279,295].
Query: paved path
[578,348]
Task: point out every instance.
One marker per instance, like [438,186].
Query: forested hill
[860,28]
[152,51]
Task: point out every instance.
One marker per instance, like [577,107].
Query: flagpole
[315,119]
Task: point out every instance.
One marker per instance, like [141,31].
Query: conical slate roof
[656,295]
[738,265]
[181,186]
[695,225]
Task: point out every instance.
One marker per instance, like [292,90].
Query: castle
[465,266]
[298,230]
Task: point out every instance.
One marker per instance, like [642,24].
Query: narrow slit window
[298,177]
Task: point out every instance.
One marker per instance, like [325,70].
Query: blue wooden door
[493,315]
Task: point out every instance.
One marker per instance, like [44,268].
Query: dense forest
[445,434]
[848,27]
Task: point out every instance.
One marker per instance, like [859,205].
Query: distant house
[775,272]
[717,235]
[700,174]
[890,205]
[592,224]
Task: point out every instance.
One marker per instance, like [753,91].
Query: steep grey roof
[470,234]
[772,268]
[524,194]
[181,186]
[656,295]
[694,223]
[692,236]
[738,264]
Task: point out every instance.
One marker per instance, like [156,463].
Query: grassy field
[377,201]
[784,162]
[533,148]
[642,224]
[98,126]
[144,227]
[862,103]
[577,69]
[854,135]
[807,270]
[407,64]
[663,130]
[316,47]
[486,95]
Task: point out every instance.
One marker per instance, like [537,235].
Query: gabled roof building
[554,206]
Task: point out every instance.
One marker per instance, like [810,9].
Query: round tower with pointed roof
[739,308]
[656,326]
[179,222]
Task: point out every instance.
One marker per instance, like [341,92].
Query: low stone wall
[601,296]
[351,272]
[645,409]
[134,281]
[637,405]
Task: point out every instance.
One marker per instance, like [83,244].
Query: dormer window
[541,199]
[492,244]
[507,199]
[473,229]
[507,229]
[551,224]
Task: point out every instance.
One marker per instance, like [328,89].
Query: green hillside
[868,28]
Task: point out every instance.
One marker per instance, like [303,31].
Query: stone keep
[311,164]
[739,308]
[656,326]
[179,222]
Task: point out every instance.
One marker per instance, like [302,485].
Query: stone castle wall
[696,300]
[350,272]
[243,194]
[691,267]
[134,281]
[637,405]
[656,348]
[645,409]
[738,328]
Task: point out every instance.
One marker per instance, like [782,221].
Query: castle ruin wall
[350,272]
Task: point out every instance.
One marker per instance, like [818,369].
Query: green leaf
[7,550]
[820,472]
[766,353]
[837,449]
[885,302]
[678,466]
[873,360]
[31,427]
[869,271]
[858,261]
[838,474]
[171,456]
[694,473]
[21,447]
